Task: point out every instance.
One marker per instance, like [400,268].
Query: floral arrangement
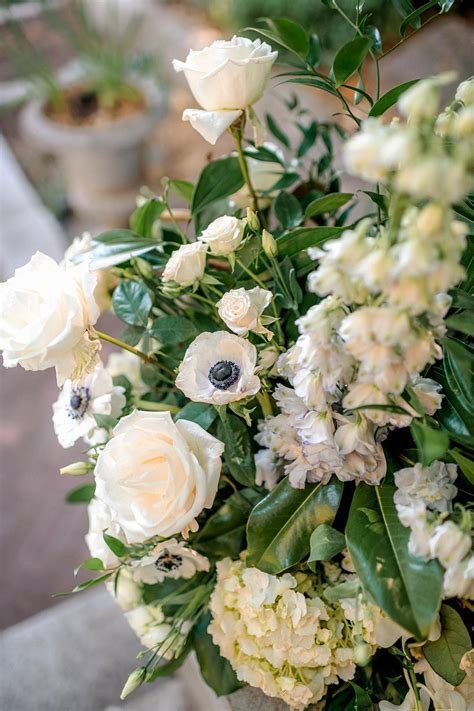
[279,458]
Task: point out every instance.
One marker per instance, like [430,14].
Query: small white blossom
[168,559]
[241,310]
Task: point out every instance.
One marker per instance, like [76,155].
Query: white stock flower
[79,401]
[362,393]
[186,264]
[46,315]
[428,392]
[266,469]
[465,92]
[100,520]
[168,559]
[223,235]
[225,79]
[157,476]
[218,368]
[445,696]
[409,703]
[459,579]
[151,627]
[421,101]
[432,485]
[241,310]
[421,178]
[377,149]
[449,544]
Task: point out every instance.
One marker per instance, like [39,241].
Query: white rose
[241,309]
[186,264]
[100,520]
[157,476]
[218,368]
[46,313]
[168,559]
[449,544]
[225,78]
[223,235]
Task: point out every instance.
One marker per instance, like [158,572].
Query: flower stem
[236,133]
[151,360]
[265,403]
[157,406]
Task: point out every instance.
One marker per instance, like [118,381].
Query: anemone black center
[223,374]
[167,562]
[78,402]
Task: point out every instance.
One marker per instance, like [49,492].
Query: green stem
[236,133]
[157,406]
[253,276]
[151,360]
[265,403]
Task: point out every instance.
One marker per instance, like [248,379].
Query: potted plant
[97,121]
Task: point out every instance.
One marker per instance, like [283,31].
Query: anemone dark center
[167,562]
[78,402]
[223,374]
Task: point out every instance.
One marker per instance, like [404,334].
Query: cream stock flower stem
[236,132]
[151,360]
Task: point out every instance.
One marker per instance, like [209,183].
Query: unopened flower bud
[144,267]
[252,220]
[77,469]
[362,654]
[269,244]
[135,680]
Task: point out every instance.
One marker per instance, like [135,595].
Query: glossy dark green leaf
[276,130]
[218,180]
[445,653]
[310,134]
[325,543]
[459,368]
[293,242]
[314,52]
[169,330]
[464,463]
[362,700]
[292,35]
[216,671]
[144,218]
[280,526]
[415,15]
[118,246]
[462,322]
[238,454]
[132,303]
[390,98]
[183,188]
[288,210]
[431,444]
[198,412]
[327,203]
[106,421]
[349,58]
[132,334]
[81,494]
[404,586]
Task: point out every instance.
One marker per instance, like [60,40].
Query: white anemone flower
[218,368]
[169,559]
[79,401]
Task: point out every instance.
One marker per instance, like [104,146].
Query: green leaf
[238,448]
[415,15]
[459,368]
[404,586]
[276,130]
[325,543]
[132,334]
[81,494]
[118,246]
[379,199]
[183,188]
[374,34]
[466,465]
[292,35]
[363,702]
[171,666]
[90,564]
[314,52]
[216,671]
[301,238]
[462,322]
[310,134]
[198,412]
[327,203]
[116,545]
[144,217]
[445,653]
[280,526]
[288,210]
[106,421]
[431,444]
[390,98]
[218,180]
[132,303]
[172,329]
[349,58]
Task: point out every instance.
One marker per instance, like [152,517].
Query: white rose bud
[223,235]
[157,476]
[449,544]
[252,220]
[241,309]
[269,244]
[186,264]
[225,78]
[46,314]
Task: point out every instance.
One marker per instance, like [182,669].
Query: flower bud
[77,469]
[252,220]
[362,654]
[269,244]
[135,680]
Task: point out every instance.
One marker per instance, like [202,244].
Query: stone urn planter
[103,164]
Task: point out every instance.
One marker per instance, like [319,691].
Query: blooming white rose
[100,520]
[157,476]
[241,309]
[225,78]
[218,368]
[168,559]
[186,264]
[449,544]
[223,235]
[46,314]
[79,401]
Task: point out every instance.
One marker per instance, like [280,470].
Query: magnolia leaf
[325,543]
[445,653]
[216,671]
[144,218]
[238,448]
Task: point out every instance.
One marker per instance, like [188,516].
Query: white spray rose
[225,78]
[241,310]
[223,235]
[186,264]
[449,544]
[100,520]
[157,476]
[218,368]
[46,314]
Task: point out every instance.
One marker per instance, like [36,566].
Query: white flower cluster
[423,500]
[288,644]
